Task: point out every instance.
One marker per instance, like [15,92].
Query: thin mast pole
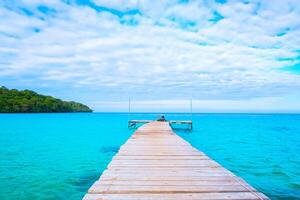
[129,110]
[191,104]
[129,107]
[191,107]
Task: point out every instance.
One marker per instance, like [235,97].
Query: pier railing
[136,123]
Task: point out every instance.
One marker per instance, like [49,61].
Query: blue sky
[228,56]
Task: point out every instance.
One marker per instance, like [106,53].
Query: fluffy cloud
[122,5]
[151,49]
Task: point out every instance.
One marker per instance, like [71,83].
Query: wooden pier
[157,164]
[135,123]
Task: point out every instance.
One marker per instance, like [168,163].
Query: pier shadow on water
[183,130]
[85,180]
[109,149]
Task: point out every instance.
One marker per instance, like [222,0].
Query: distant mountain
[27,101]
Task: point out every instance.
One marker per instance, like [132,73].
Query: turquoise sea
[59,156]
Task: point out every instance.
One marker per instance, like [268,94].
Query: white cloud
[157,57]
[122,5]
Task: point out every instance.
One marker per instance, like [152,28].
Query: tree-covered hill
[27,101]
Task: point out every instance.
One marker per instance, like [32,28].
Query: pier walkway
[157,164]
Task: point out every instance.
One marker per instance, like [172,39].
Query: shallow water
[58,156]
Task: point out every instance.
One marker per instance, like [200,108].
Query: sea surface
[59,156]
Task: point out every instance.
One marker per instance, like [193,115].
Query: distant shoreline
[27,101]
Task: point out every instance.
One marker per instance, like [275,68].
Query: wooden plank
[113,188]
[127,189]
[168,182]
[163,162]
[178,196]
[166,157]
[171,170]
[159,174]
[167,178]
[155,163]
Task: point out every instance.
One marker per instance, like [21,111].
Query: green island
[27,101]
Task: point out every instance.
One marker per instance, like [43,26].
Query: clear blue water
[58,156]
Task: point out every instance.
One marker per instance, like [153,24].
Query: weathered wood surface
[157,164]
[181,121]
[135,123]
[140,121]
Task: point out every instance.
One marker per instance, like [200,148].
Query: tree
[27,101]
